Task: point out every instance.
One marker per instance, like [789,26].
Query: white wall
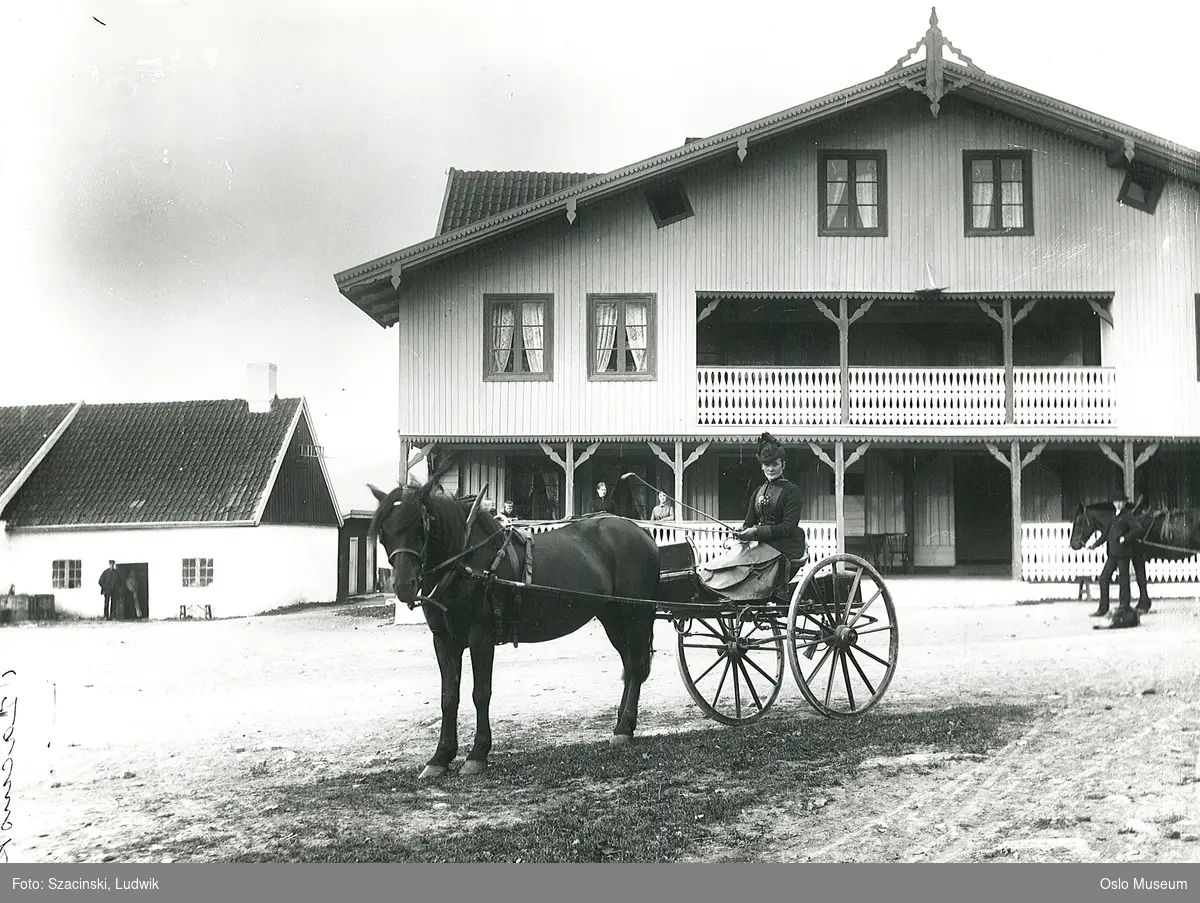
[254,568]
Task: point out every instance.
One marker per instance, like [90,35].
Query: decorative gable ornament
[935,82]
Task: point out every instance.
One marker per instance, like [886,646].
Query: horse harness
[505,607]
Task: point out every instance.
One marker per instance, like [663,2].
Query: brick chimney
[260,387]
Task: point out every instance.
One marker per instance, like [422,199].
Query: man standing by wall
[110,588]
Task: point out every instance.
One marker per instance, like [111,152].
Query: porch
[920,359]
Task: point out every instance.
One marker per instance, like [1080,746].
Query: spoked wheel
[732,663]
[842,636]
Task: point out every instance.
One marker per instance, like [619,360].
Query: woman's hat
[769,449]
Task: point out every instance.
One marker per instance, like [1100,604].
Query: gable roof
[161,463]
[475,195]
[372,286]
[27,434]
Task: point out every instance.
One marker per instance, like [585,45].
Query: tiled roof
[158,462]
[474,195]
[24,430]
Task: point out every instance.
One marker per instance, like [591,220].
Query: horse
[1097,518]
[442,550]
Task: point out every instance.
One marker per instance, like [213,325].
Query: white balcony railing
[768,396]
[1047,557]
[905,396]
[926,396]
[1062,396]
[709,538]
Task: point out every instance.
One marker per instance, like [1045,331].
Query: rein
[422,555]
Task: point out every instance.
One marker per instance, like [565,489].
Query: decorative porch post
[568,465]
[1007,321]
[1015,464]
[569,481]
[839,484]
[839,465]
[678,465]
[1128,463]
[1015,468]
[843,320]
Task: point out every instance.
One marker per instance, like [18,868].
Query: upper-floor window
[852,192]
[998,192]
[668,202]
[518,332]
[621,337]
[66,573]
[1141,188]
[197,571]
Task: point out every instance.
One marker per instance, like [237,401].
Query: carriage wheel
[842,636]
[732,664]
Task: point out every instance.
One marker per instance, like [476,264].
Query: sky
[181,180]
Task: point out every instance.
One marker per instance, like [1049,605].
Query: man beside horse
[1120,540]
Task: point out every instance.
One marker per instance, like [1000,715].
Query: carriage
[834,623]
[483,583]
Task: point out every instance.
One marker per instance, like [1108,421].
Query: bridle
[423,553]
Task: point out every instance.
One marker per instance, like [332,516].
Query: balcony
[1051,397]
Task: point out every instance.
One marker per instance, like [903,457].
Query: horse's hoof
[473,767]
[432,771]
[620,739]
[1099,613]
[1142,609]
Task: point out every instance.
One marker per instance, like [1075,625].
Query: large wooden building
[964,305]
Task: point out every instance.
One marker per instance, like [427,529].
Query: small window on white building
[66,574]
[197,571]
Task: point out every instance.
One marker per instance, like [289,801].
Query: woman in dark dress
[775,508]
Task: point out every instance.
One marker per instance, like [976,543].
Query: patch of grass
[659,800]
[293,607]
[380,612]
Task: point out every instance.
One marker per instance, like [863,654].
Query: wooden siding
[755,229]
[300,495]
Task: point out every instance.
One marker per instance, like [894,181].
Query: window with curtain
[621,336]
[998,192]
[535,488]
[852,192]
[517,336]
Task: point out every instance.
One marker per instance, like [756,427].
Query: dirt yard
[133,738]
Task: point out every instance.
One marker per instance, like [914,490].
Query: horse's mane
[381,512]
[448,517]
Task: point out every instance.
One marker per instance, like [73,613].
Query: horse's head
[418,528]
[1089,520]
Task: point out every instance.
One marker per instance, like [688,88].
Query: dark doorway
[982,510]
[134,597]
[738,479]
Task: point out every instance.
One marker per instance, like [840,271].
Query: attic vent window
[668,203]
[312,451]
[1141,189]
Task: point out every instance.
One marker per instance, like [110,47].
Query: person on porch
[773,517]
[602,504]
[664,510]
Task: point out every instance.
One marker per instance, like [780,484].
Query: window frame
[66,573]
[651,371]
[823,227]
[995,157]
[197,567]
[1158,181]
[668,185]
[489,303]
